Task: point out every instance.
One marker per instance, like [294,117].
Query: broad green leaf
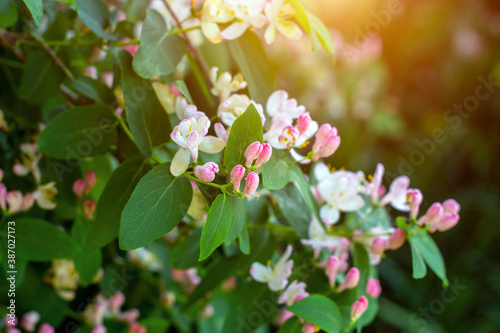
[160,51]
[367,218]
[92,89]
[185,254]
[8,17]
[87,265]
[320,311]
[147,119]
[157,204]
[217,225]
[238,220]
[36,9]
[300,181]
[429,252]
[181,85]
[251,59]
[155,324]
[419,268]
[275,174]
[39,240]
[4,6]
[109,208]
[245,130]
[95,15]
[79,132]
[244,239]
[293,208]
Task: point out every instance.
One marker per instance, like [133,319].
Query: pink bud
[115,302]
[373,288]
[99,329]
[252,152]
[265,155]
[3,196]
[46,328]
[9,322]
[351,279]
[237,175]
[130,316]
[15,201]
[251,184]
[206,172]
[283,316]
[359,307]
[29,321]
[397,239]
[90,180]
[299,297]
[447,221]
[378,245]
[432,215]
[28,201]
[136,328]
[88,208]
[79,187]
[451,206]
[328,147]
[13,330]
[415,201]
[303,123]
[308,328]
[331,268]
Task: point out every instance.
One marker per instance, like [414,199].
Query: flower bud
[432,215]
[351,279]
[237,175]
[88,207]
[28,202]
[373,288]
[207,312]
[397,239]
[136,328]
[115,302]
[415,199]
[130,316]
[15,201]
[252,152]
[90,181]
[359,307]
[303,123]
[447,221]
[206,172]
[46,328]
[79,187]
[13,330]
[308,328]
[378,245]
[29,321]
[99,329]
[451,206]
[3,196]
[327,142]
[167,299]
[251,184]
[331,268]
[265,155]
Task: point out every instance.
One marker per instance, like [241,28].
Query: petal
[211,31]
[274,101]
[235,30]
[177,138]
[212,144]
[180,162]
[329,215]
[326,189]
[352,204]
[321,171]
[260,272]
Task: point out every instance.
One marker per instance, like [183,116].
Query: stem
[130,42]
[57,61]
[350,325]
[181,31]
[223,188]
[125,127]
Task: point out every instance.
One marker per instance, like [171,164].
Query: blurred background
[413,86]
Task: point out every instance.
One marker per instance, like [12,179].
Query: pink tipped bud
[115,302]
[359,307]
[331,145]
[46,328]
[378,245]
[15,201]
[451,206]
[308,328]
[289,135]
[351,279]
[3,196]
[136,328]
[397,239]
[325,131]
[28,201]
[303,123]
[265,155]
[415,198]
[88,208]
[251,184]
[432,215]
[373,288]
[130,316]
[79,188]
[99,329]
[237,175]
[90,181]
[447,221]
[29,321]
[9,322]
[206,172]
[252,152]
[331,268]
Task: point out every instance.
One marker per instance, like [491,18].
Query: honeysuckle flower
[318,238]
[414,197]
[358,308]
[234,106]
[379,245]
[44,196]
[351,280]
[288,136]
[144,258]
[397,194]
[251,184]
[188,277]
[221,131]
[276,276]
[237,175]
[30,158]
[3,196]
[331,268]
[225,84]
[264,156]
[191,135]
[180,104]
[129,316]
[137,328]
[280,106]
[373,287]
[29,321]
[88,207]
[340,191]
[252,152]
[167,299]
[63,278]
[373,188]
[115,302]
[441,217]
[327,142]
[247,13]
[46,328]
[28,202]
[279,14]
[15,201]
[94,313]
[397,239]
[213,13]
[291,293]
[206,172]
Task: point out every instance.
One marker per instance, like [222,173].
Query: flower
[206,172]
[373,188]
[279,14]
[397,194]
[291,293]
[251,184]
[44,196]
[247,13]
[252,152]
[331,268]
[414,197]
[225,84]
[441,217]
[358,308]
[264,156]
[29,320]
[79,188]
[276,277]
[234,106]
[46,328]
[373,287]
[326,143]
[213,13]
[237,175]
[318,238]
[88,208]
[221,131]
[144,258]
[64,278]
[30,158]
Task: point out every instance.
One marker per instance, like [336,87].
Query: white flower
[247,13]
[44,196]
[291,293]
[374,188]
[226,84]
[235,106]
[397,195]
[215,12]
[29,161]
[144,258]
[276,277]
[318,239]
[279,105]
[279,14]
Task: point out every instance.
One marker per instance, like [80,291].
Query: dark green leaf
[292,325]
[217,225]
[320,311]
[157,204]
[238,220]
[92,89]
[293,208]
[155,324]
[87,264]
[275,173]
[185,254]
[95,15]
[36,9]
[8,17]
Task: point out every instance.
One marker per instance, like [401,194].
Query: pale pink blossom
[251,184]
[237,175]
[373,287]
[358,308]
[351,280]
[294,290]
[206,172]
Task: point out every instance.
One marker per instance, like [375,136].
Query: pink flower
[397,239]
[331,268]
[46,328]
[237,175]
[359,307]
[441,217]
[294,291]
[397,194]
[251,184]
[288,136]
[90,181]
[136,328]
[115,302]
[326,143]
[29,321]
[132,48]
[351,280]
[130,316]
[88,208]
[276,276]
[415,199]
[206,172]
[373,288]
[3,196]
[308,328]
[252,152]
[79,187]
[378,245]
[15,201]
[265,155]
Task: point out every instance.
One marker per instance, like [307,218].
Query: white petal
[180,162]
[274,101]
[352,204]
[329,215]
[235,30]
[326,189]
[212,144]
[321,171]
[260,272]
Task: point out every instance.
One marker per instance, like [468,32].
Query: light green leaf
[244,239]
[275,174]
[79,132]
[300,181]
[155,324]
[292,206]
[320,311]
[95,15]
[157,204]
[8,17]
[181,85]
[36,9]
[217,226]
[419,268]
[160,51]
[238,220]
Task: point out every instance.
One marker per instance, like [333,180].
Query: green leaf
[185,254]
[419,268]
[147,119]
[109,208]
[362,263]
[401,223]
[8,17]
[36,9]
[275,174]
[160,51]
[320,311]
[92,89]
[300,181]
[244,239]
[157,204]
[238,220]
[155,324]
[79,132]
[429,251]
[251,59]
[39,240]
[292,325]
[217,226]
[245,130]
[4,6]
[87,265]
[95,15]
[292,206]
[181,85]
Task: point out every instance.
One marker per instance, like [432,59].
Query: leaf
[366,218]
[185,254]
[239,218]
[251,59]
[300,181]
[39,240]
[244,239]
[362,263]
[275,174]
[8,17]
[155,324]
[79,132]
[292,206]
[157,204]
[217,226]
[148,120]
[429,251]
[245,130]
[292,325]
[160,51]
[92,89]
[320,311]
[36,9]
[95,15]
[181,85]
[87,265]
[419,268]
[401,223]
[109,208]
